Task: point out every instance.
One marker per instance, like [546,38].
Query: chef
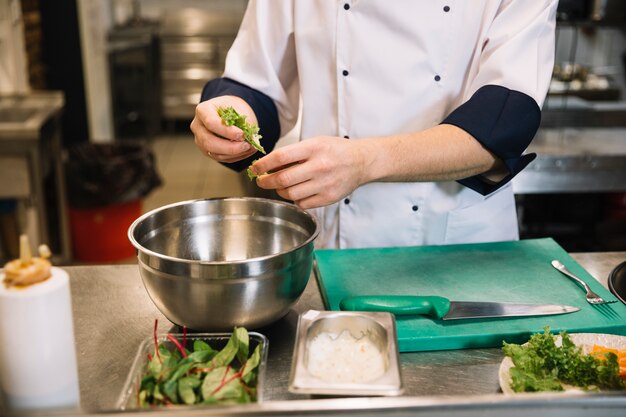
[415,115]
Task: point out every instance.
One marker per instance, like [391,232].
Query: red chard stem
[156,342]
[178,345]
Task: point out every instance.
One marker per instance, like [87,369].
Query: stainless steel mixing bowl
[217,263]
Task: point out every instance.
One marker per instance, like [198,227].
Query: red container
[100,234]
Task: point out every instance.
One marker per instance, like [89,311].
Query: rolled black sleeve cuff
[264,109]
[505,122]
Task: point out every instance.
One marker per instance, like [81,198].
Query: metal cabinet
[193,45]
[31,166]
[134,62]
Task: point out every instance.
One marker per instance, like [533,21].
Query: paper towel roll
[37,351]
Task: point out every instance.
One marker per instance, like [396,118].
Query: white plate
[586,340]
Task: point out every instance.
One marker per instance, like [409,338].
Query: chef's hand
[315,172]
[215,139]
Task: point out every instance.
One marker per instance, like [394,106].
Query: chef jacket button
[414,208]
[346,6]
[445,9]
[346,137]
[346,201]
[437,78]
[345,73]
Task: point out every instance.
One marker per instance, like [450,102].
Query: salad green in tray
[202,368]
[564,362]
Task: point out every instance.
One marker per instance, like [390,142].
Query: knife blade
[444,309]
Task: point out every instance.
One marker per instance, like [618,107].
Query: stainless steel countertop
[113,314]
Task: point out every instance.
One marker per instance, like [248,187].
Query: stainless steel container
[378,328]
[218,263]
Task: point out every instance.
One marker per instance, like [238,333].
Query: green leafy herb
[230,117]
[251,175]
[541,365]
[202,375]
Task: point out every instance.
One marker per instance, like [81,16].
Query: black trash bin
[105,186]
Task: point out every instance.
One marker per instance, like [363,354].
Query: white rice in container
[344,358]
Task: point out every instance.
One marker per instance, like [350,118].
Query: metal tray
[128,397]
[379,328]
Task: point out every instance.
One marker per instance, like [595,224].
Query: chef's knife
[442,308]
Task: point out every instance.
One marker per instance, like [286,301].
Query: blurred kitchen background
[96,97]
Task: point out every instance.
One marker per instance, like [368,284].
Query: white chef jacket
[365,68]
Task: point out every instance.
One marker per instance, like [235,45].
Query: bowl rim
[141,248]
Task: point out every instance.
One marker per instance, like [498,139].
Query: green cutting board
[518,271]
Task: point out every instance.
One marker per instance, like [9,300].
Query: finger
[218,150]
[313,201]
[283,178]
[208,142]
[213,122]
[221,146]
[200,135]
[282,157]
[299,191]
[231,158]
[256,161]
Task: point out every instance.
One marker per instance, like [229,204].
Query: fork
[592,297]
